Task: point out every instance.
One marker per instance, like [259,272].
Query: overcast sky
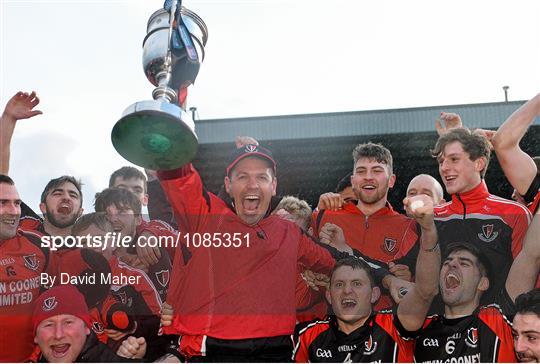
[264,57]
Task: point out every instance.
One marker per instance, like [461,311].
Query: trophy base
[155,135]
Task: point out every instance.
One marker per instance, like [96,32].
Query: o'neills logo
[488,235]
[31,262]
[49,304]
[162,277]
[370,346]
[250,148]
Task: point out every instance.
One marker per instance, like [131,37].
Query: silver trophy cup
[159,134]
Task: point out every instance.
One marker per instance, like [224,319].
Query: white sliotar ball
[416,204]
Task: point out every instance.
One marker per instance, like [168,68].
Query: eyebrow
[68,190]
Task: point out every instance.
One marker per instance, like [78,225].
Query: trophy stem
[163,92]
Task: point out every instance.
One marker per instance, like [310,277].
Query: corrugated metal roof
[371,122]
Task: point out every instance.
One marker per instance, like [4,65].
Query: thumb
[391,264]
[141,340]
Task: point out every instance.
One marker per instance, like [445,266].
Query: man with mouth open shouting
[355,333]
[61,200]
[496,226]
[234,295]
[470,333]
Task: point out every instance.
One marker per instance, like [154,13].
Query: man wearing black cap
[234,295]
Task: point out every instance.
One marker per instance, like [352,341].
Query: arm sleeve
[533,190]
[159,207]
[190,202]
[521,224]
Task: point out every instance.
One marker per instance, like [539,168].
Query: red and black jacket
[496,225]
[483,337]
[378,340]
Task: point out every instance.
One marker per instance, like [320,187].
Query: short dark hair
[354,263]
[483,262]
[344,183]
[374,151]
[475,144]
[529,302]
[6,179]
[57,182]
[118,197]
[127,172]
[94,218]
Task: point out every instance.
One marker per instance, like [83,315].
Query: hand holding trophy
[159,134]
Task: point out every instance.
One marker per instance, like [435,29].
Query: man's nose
[59,331]
[520,345]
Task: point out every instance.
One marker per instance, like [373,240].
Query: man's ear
[227,182]
[480,164]
[145,200]
[392,181]
[328,298]
[483,285]
[274,186]
[375,294]
[43,208]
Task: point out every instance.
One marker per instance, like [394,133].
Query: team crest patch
[31,262]
[121,296]
[163,277]
[488,235]
[97,327]
[250,148]
[472,337]
[49,304]
[370,346]
[389,245]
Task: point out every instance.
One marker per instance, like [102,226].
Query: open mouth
[60,350]
[451,281]
[523,358]
[9,221]
[449,178]
[64,209]
[348,303]
[369,187]
[251,203]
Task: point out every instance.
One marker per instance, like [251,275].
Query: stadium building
[313,151]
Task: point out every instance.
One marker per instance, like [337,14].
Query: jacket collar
[474,196]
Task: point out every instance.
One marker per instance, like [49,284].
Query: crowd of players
[256,277]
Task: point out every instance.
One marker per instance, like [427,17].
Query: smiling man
[526,327]
[371,225]
[22,262]
[495,225]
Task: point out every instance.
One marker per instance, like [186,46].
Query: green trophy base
[155,135]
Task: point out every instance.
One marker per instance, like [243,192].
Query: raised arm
[517,165]
[413,308]
[20,106]
[524,271]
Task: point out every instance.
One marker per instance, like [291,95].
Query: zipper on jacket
[464,206]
